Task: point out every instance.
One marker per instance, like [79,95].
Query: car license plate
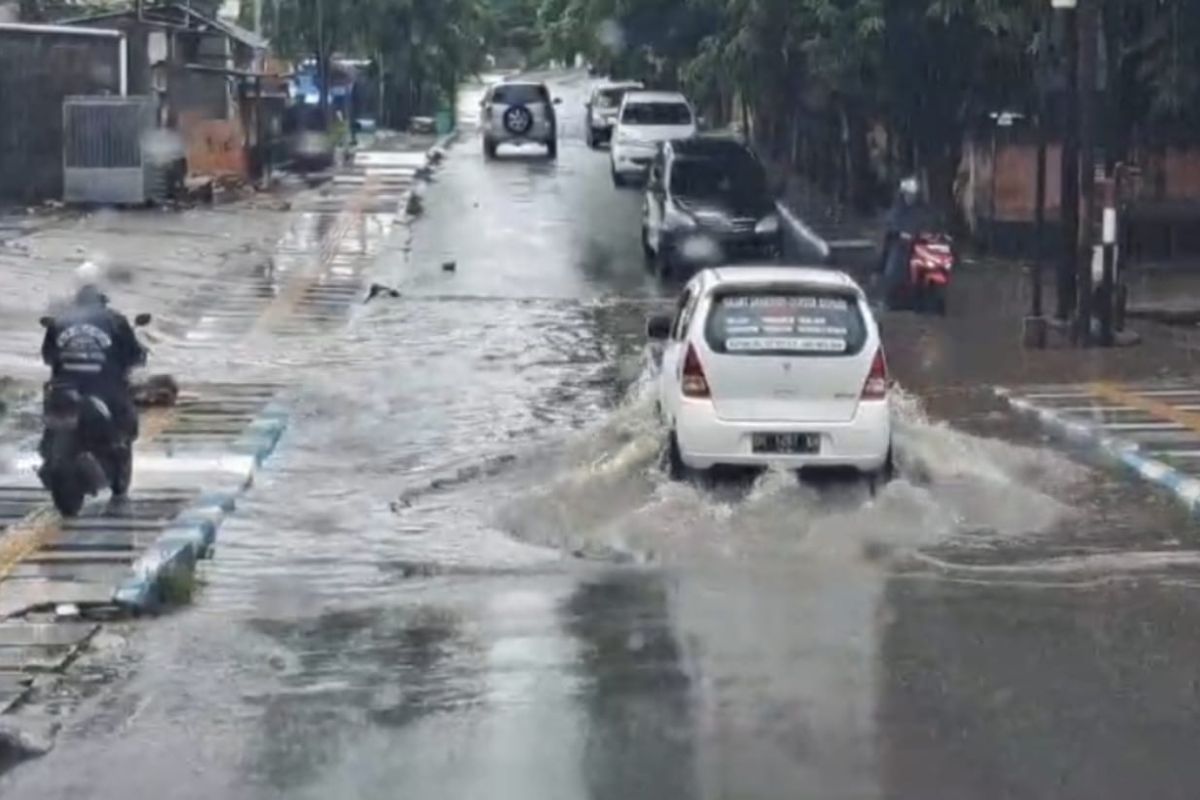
[787,443]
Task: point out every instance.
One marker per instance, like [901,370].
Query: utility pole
[1088,19]
[258,17]
[1069,202]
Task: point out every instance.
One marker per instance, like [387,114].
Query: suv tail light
[694,383]
[876,387]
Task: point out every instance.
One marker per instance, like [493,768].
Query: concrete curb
[165,573]
[1185,488]
[443,141]
[802,234]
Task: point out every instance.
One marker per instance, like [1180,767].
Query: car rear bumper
[730,246]
[707,441]
[539,133]
[631,160]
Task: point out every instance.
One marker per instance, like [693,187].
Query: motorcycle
[930,264]
[83,452]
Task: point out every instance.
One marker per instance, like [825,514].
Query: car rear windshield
[785,322]
[728,176]
[656,114]
[519,94]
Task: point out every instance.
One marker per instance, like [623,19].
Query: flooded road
[464,574]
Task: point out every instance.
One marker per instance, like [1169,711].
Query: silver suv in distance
[518,112]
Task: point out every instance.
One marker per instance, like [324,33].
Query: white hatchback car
[645,119]
[773,366]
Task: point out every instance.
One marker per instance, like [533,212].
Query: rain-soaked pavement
[463,575]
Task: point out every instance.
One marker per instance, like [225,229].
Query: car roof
[654,97]
[507,82]
[618,85]
[750,275]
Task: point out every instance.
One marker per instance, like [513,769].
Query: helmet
[88,277]
[88,273]
[910,188]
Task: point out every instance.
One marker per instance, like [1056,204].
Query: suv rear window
[519,94]
[656,114]
[785,322]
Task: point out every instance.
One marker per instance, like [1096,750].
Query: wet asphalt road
[464,576]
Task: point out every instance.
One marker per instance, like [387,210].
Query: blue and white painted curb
[1184,487]
[191,536]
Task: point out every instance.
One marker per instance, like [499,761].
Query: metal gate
[103,159]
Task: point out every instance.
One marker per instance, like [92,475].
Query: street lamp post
[1069,191]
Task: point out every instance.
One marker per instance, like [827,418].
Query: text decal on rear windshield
[798,324]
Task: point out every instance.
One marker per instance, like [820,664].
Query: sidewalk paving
[194,460]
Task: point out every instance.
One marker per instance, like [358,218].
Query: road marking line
[331,245]
[26,537]
[1157,408]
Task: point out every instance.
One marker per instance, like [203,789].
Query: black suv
[708,201]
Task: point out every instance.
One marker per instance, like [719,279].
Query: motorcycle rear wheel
[122,471]
[67,494]
[935,299]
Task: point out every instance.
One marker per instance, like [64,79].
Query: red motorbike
[930,264]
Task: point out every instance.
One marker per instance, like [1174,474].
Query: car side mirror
[142,320]
[46,322]
[658,327]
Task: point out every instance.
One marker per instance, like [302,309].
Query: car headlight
[674,219]
[768,225]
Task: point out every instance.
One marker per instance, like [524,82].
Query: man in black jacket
[93,347]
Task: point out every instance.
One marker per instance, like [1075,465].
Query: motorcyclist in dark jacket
[93,347]
[908,217]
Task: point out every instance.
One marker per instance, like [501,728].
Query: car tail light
[694,383]
[876,387]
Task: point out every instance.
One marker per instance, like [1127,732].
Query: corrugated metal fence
[103,149]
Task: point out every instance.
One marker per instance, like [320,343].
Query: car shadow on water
[636,692]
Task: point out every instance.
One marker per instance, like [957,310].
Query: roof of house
[190,18]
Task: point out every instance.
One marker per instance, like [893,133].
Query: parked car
[707,199]
[601,110]
[518,112]
[645,119]
[773,367]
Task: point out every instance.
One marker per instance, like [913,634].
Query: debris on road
[449,266]
[379,290]
[157,391]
